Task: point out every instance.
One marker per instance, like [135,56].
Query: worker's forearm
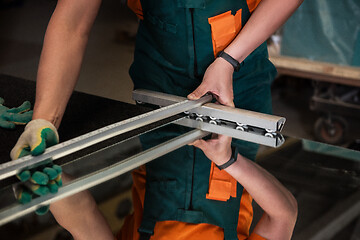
[80,215]
[279,205]
[264,21]
[266,190]
[64,46]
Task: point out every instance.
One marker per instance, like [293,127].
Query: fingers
[40,178]
[51,173]
[198,92]
[23,108]
[53,186]
[24,175]
[6,124]
[223,98]
[22,195]
[21,148]
[42,210]
[37,189]
[18,118]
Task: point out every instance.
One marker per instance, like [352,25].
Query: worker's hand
[217,149]
[218,80]
[37,136]
[14,116]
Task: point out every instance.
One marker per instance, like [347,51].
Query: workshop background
[317,54]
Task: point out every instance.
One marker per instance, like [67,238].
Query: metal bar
[261,120]
[13,167]
[100,176]
[276,141]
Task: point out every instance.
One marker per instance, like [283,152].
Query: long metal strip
[17,210]
[13,167]
[260,120]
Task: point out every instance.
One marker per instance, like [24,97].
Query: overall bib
[176,41]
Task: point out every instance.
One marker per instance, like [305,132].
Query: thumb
[200,91]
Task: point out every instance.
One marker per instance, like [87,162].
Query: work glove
[14,116]
[37,136]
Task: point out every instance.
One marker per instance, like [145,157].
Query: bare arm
[279,205]
[64,46]
[265,20]
[80,215]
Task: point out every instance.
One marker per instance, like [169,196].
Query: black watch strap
[234,154]
[230,59]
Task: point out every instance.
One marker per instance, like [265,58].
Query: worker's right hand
[218,80]
[37,136]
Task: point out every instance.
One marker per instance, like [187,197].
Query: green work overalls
[174,47]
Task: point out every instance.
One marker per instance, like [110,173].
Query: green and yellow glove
[37,136]
[14,116]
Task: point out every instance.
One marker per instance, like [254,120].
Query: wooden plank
[315,70]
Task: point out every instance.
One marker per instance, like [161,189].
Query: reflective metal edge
[275,141]
[17,210]
[261,120]
[13,167]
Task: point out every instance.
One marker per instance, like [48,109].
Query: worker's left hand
[218,80]
[14,116]
[37,136]
[217,149]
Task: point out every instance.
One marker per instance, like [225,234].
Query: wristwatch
[230,59]
[234,154]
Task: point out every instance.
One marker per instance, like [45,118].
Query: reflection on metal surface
[100,176]
[11,168]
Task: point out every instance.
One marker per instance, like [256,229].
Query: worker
[186,48]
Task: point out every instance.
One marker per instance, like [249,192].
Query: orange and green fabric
[176,42]
[9,118]
[37,136]
[165,230]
